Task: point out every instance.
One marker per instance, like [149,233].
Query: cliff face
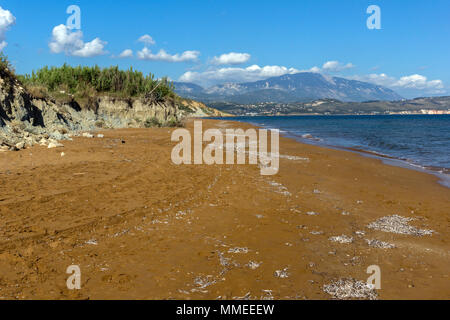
[25,120]
[200,110]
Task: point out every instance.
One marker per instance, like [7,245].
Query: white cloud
[314,69]
[72,44]
[91,49]
[411,86]
[128,53]
[6,21]
[231,58]
[147,39]
[162,55]
[336,66]
[251,73]
[381,79]
[415,81]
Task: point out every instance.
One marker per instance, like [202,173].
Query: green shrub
[152,122]
[174,123]
[79,80]
[38,91]
[7,70]
[4,63]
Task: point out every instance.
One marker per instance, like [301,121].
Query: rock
[43,142]
[57,135]
[20,145]
[53,145]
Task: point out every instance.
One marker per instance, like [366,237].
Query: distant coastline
[428,106]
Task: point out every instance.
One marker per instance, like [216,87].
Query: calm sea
[422,141]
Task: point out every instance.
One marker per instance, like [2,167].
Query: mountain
[305,86]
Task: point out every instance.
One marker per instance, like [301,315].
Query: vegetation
[85,82]
[152,122]
[5,66]
[83,85]
[155,123]
[4,62]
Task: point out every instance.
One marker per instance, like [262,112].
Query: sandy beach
[141,227]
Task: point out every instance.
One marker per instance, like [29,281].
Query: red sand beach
[141,227]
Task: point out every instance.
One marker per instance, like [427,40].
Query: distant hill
[298,87]
[429,105]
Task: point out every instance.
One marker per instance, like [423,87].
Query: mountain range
[299,87]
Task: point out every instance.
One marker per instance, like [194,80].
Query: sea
[420,142]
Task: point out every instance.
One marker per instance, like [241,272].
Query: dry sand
[140,227]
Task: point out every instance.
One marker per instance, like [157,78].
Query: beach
[141,227]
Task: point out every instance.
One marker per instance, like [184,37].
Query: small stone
[341,239]
[282,273]
[20,145]
[43,142]
[53,145]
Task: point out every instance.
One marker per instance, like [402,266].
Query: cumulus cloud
[6,21]
[336,66]
[381,79]
[232,58]
[147,39]
[314,69]
[411,85]
[162,55]
[415,81]
[72,44]
[234,74]
[128,53]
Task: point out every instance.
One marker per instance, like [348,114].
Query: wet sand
[141,227]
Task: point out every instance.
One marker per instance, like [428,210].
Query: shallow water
[422,141]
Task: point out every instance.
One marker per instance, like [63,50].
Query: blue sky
[209,41]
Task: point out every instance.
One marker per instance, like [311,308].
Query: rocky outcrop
[25,120]
[200,110]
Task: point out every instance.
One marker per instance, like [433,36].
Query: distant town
[428,106]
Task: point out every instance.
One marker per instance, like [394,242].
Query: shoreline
[442,173]
[444,178]
[140,227]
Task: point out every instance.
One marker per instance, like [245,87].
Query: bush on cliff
[6,69]
[82,82]
[152,122]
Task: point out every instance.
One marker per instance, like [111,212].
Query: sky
[209,42]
